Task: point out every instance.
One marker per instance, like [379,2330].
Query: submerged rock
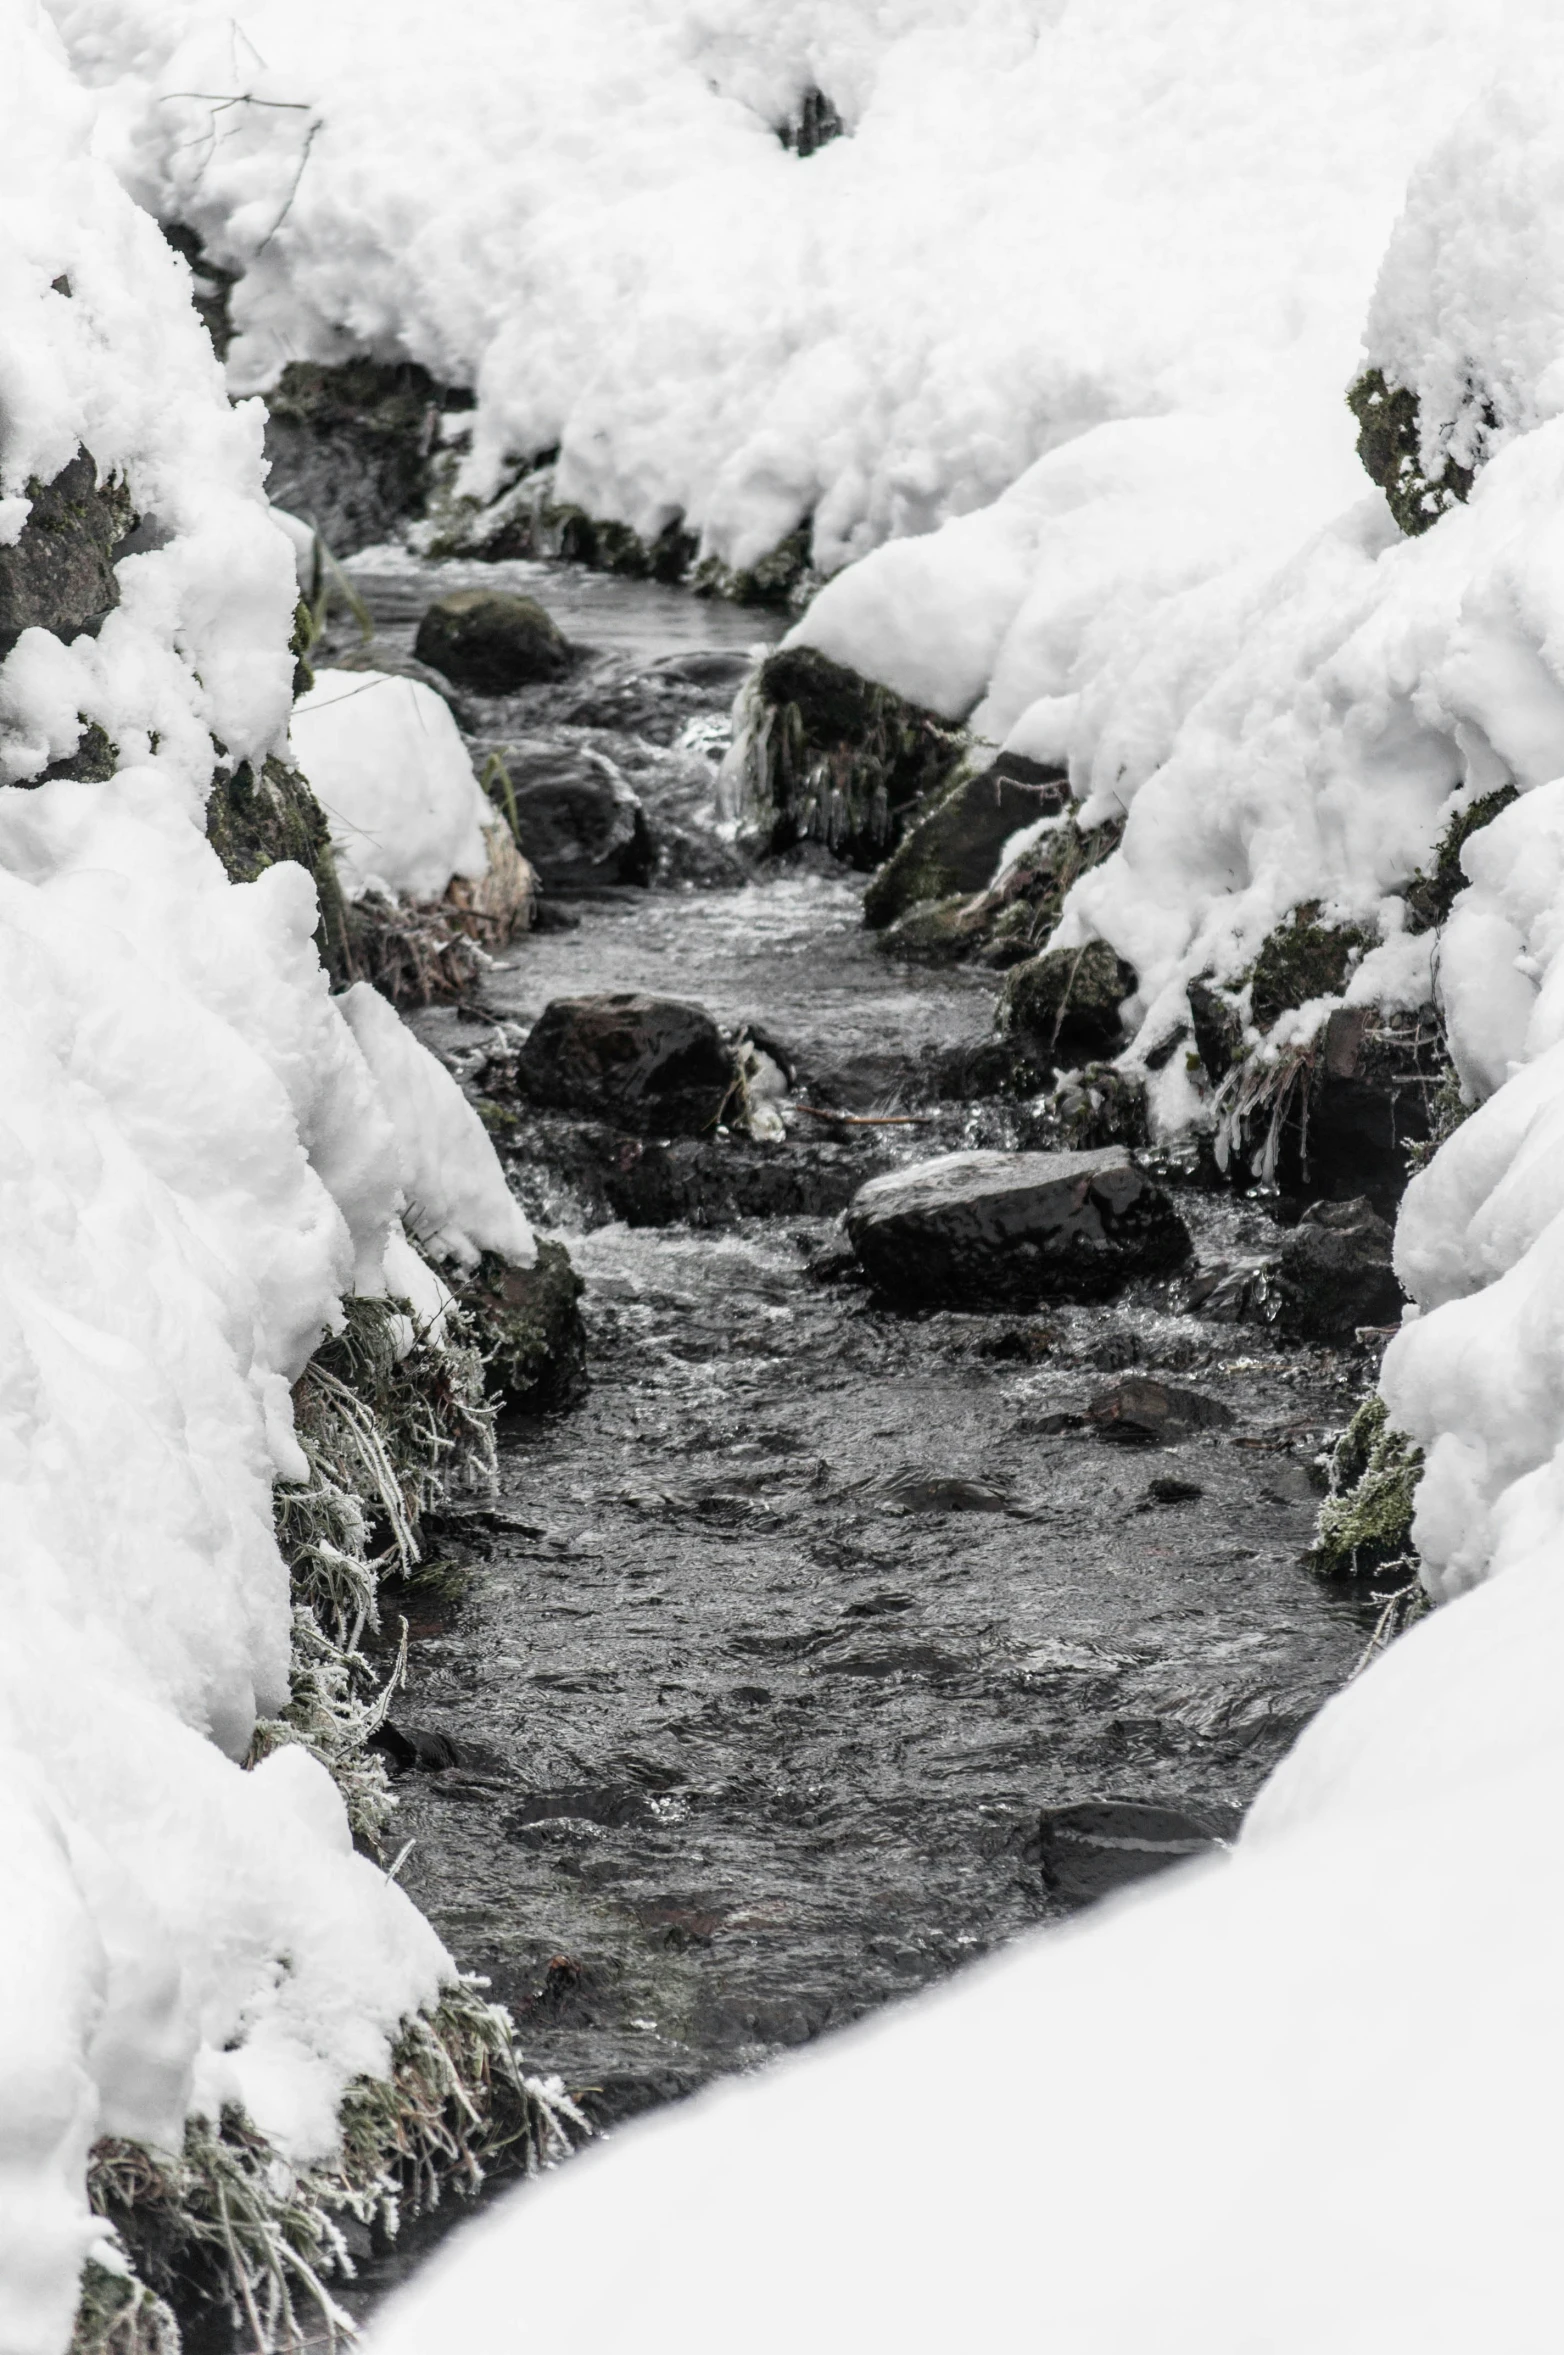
[994,1229]
[1334,1273]
[58,574]
[576,818]
[531,1324]
[1099,1845]
[656,1066]
[491,641]
[1143,1413]
[1067,1001]
[954,848]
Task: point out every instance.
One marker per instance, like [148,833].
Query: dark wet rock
[954,847]
[1067,1001]
[1334,1273]
[1141,1413]
[656,1066]
[994,1229]
[577,819]
[1088,1850]
[415,1749]
[530,1322]
[833,758]
[813,125]
[1218,1029]
[1097,1106]
[1168,1489]
[59,573]
[721,668]
[492,641]
[351,445]
[913,1491]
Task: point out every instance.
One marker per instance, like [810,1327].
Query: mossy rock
[1430,897]
[1366,1521]
[1302,959]
[935,931]
[1067,1001]
[491,641]
[254,820]
[782,579]
[835,758]
[94,762]
[530,1323]
[59,573]
[1390,446]
[954,847]
[352,445]
[1098,1106]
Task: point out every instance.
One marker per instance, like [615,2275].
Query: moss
[1390,446]
[228,2230]
[1096,1106]
[531,1328]
[1430,897]
[1302,959]
[94,762]
[827,756]
[254,820]
[1365,1524]
[1067,1000]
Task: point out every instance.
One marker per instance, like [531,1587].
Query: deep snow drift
[1303,2097]
[200,1157]
[1046,214]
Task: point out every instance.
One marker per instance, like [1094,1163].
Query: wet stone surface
[778,1656]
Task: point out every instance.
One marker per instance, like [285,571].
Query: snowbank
[1246,2109]
[1042,219]
[196,1163]
[389,768]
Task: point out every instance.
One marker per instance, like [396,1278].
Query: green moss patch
[1390,446]
[1365,1524]
[1431,896]
[1302,959]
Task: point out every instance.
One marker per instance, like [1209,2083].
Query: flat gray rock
[994,1230]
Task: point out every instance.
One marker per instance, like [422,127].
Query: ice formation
[198,1161]
[1297,2098]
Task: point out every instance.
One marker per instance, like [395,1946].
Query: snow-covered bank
[1041,218]
[1300,2098]
[200,1162]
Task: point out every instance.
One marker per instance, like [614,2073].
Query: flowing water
[773,1652]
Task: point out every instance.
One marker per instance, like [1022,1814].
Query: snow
[1294,2099]
[1045,217]
[197,1162]
[389,768]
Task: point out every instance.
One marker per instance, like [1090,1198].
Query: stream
[768,1659]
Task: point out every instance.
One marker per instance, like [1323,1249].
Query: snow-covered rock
[389,768]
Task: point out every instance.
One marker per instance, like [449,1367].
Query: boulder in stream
[1067,1001]
[576,818]
[1334,1273]
[1142,1413]
[980,1229]
[492,641]
[656,1066]
[955,847]
[1088,1850]
[531,1328]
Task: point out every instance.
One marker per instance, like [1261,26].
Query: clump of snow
[197,1162]
[1468,312]
[458,1202]
[1043,218]
[1293,2099]
[389,768]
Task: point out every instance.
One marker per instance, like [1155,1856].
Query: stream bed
[760,1675]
